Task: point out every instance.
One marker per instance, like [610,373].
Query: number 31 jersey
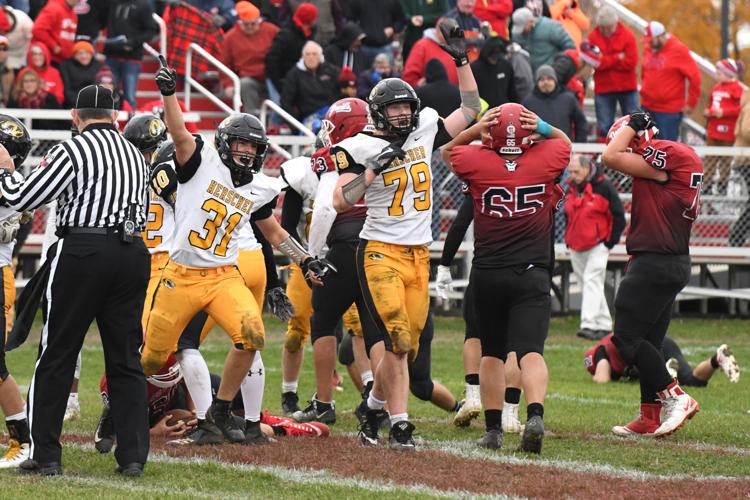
[399,201]
[210,210]
[514,201]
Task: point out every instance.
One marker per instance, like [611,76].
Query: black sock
[472,378]
[252,425]
[512,395]
[493,419]
[455,408]
[322,407]
[18,430]
[534,409]
[714,362]
[648,394]
[650,363]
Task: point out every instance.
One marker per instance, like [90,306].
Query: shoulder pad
[164,182]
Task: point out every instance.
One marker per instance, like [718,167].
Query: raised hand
[455,41]
[166,78]
[383,160]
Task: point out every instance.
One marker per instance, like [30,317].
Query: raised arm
[618,156]
[184,142]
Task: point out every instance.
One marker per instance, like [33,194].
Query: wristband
[543,128]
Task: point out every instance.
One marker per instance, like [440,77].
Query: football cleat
[309,429]
[204,433]
[678,406]
[254,434]
[104,438]
[289,403]
[672,366]
[470,409]
[221,417]
[645,425]
[510,421]
[533,434]
[272,420]
[73,410]
[15,455]
[492,439]
[368,429]
[312,414]
[400,436]
[727,363]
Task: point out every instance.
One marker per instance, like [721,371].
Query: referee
[99,269]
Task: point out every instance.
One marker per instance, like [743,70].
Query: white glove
[443,282]
[9,228]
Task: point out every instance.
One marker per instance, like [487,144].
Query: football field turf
[580,457]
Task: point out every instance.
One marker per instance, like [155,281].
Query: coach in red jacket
[666,71]
[615,79]
[55,27]
[595,220]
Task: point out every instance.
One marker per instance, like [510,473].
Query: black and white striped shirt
[95,177]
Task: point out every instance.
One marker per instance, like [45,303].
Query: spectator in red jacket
[666,70]
[495,12]
[595,220]
[55,27]
[38,58]
[722,112]
[615,80]
[244,51]
[425,49]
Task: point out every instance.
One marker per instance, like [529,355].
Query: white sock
[366,377]
[17,416]
[197,379]
[374,403]
[398,417]
[73,398]
[289,386]
[77,374]
[252,389]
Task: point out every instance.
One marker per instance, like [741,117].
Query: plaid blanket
[185,25]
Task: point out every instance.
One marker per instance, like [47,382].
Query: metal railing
[191,82]
[162,34]
[291,120]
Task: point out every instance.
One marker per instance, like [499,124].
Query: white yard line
[629,404]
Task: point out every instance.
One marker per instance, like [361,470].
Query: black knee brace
[422,389]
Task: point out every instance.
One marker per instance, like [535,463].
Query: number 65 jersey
[210,209]
[514,201]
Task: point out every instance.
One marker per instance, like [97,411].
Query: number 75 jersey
[210,210]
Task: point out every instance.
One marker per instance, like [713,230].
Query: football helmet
[15,137]
[169,375]
[164,153]
[640,138]
[345,118]
[390,91]
[507,136]
[145,132]
[243,127]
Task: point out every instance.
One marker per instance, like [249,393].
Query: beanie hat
[83,45]
[730,67]
[347,78]
[655,28]
[306,13]
[104,75]
[607,16]
[247,11]
[546,70]
[591,54]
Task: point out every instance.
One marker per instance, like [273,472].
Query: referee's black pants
[92,277]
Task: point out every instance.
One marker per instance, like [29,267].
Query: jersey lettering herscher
[514,201]
[662,214]
[209,212]
[160,221]
[399,201]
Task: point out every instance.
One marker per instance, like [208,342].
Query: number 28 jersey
[210,209]
[514,201]
[399,201]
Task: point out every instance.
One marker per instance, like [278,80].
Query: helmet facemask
[243,162]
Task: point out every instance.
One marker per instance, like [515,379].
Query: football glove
[166,78]
[383,160]
[640,121]
[455,42]
[443,282]
[9,228]
[319,267]
[279,303]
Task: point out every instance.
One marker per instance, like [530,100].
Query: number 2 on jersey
[154,223]
[420,175]
[217,212]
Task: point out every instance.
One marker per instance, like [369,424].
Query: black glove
[166,78]
[455,42]
[280,304]
[640,121]
[384,159]
[320,267]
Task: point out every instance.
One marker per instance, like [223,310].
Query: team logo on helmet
[156,128]
[11,128]
[342,107]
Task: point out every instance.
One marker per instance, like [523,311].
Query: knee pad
[253,334]
[294,340]
[422,389]
[152,361]
[346,350]
[627,347]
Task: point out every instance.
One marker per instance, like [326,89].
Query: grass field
[578,417]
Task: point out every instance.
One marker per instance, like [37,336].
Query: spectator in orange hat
[286,47]
[7,76]
[78,71]
[244,51]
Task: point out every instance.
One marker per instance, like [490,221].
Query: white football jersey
[210,212]
[6,249]
[299,176]
[160,222]
[399,201]
[246,239]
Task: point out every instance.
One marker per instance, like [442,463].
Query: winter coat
[55,27]
[438,93]
[129,25]
[430,10]
[424,50]
[376,15]
[726,97]
[330,19]
[663,75]
[615,74]
[52,80]
[338,53]
[245,54]
[495,12]
[560,109]
[305,91]
[75,77]
[467,22]
[546,39]
[496,81]
[284,53]
[572,19]
[92,18]
[19,37]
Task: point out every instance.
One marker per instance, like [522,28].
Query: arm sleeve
[43,185]
[618,215]
[272,276]
[457,231]
[442,137]
[323,214]
[164,182]
[291,210]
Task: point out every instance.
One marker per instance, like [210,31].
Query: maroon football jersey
[663,213]
[514,201]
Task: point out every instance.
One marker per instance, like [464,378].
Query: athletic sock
[398,417]
[534,409]
[455,408]
[252,389]
[512,395]
[18,428]
[651,369]
[373,403]
[493,420]
[714,362]
[289,386]
[197,379]
[472,378]
[366,377]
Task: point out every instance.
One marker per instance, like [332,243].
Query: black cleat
[400,436]
[30,466]
[492,439]
[203,434]
[289,403]
[221,416]
[368,430]
[533,434]
[254,435]
[104,438]
[134,469]
[315,414]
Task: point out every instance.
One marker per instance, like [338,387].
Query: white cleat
[727,363]
[16,454]
[678,408]
[672,366]
[511,424]
[470,409]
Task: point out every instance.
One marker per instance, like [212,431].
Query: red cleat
[645,425]
[309,429]
[272,420]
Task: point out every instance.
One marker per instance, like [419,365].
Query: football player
[16,139]
[667,180]
[513,183]
[218,193]
[393,260]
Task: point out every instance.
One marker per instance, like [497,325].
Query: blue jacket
[546,39]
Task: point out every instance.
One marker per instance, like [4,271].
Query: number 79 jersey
[399,201]
[210,210]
